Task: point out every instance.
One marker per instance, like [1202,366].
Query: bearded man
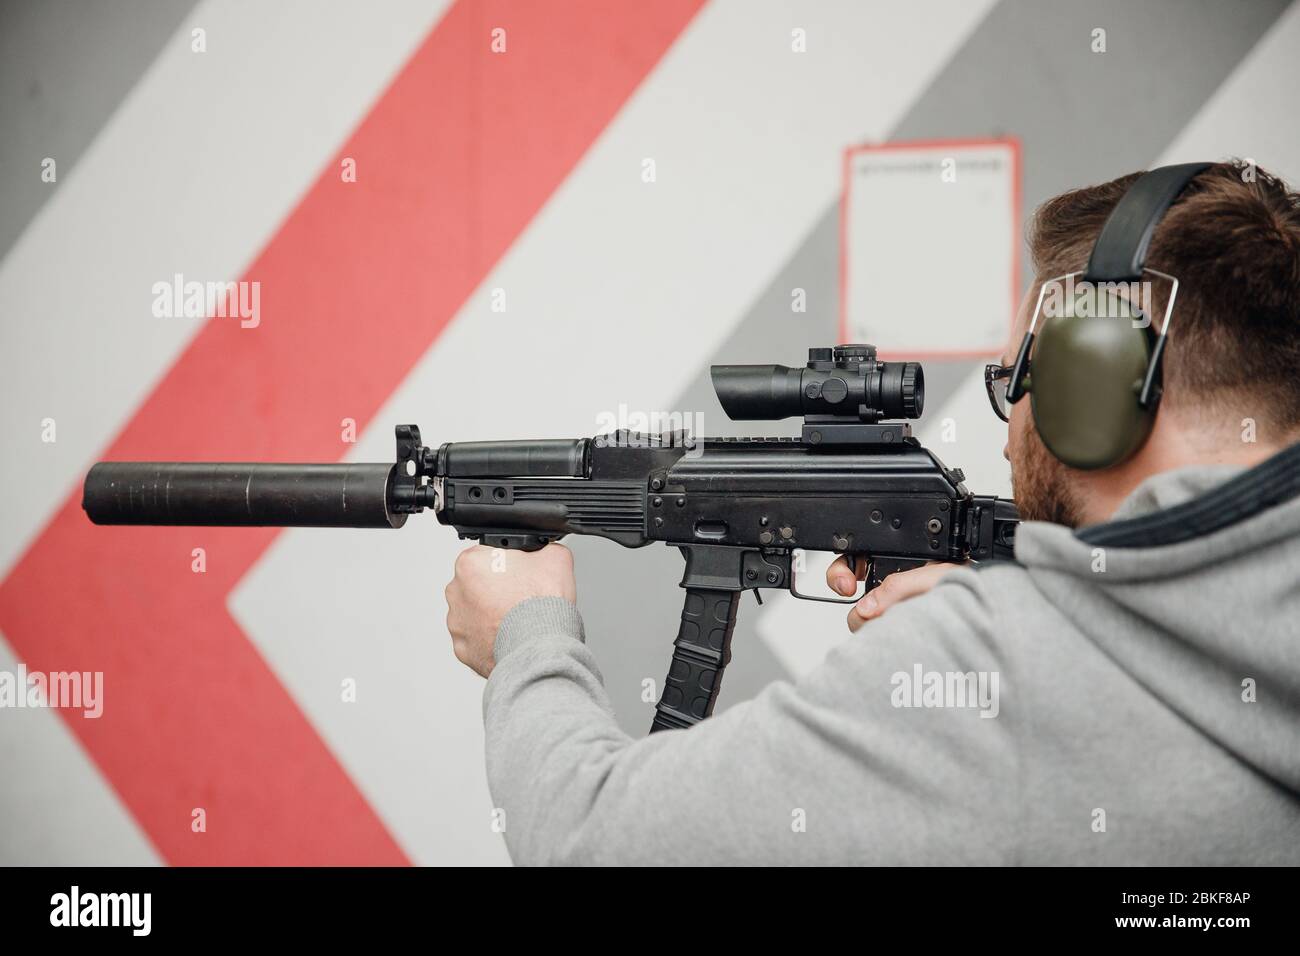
[1144,646]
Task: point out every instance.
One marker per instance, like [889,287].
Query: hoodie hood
[1193,589]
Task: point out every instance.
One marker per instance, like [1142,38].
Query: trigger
[758,597]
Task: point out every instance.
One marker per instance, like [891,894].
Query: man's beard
[1041,485]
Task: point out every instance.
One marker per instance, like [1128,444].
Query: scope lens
[918,391]
[902,389]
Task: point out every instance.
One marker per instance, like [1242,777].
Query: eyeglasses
[996,380]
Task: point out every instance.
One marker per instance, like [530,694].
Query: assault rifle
[740,509]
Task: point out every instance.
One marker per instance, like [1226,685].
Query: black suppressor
[204,493]
[844,382]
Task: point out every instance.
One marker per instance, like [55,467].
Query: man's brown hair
[1233,241]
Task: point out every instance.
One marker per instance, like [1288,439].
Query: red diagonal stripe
[453,162]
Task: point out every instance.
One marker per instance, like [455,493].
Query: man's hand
[488,583]
[896,587]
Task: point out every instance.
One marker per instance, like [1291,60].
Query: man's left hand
[491,581]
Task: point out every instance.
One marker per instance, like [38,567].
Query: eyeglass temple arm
[1015,388]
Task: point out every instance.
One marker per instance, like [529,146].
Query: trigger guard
[870,573]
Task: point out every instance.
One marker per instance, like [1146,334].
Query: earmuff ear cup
[1086,374]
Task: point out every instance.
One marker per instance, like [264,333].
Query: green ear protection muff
[1088,369]
[1094,376]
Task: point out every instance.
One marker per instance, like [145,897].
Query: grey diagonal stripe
[1027,70]
[65,65]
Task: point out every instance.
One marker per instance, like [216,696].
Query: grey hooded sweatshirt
[1127,694]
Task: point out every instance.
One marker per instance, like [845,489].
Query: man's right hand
[896,588]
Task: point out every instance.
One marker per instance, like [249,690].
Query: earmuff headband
[1121,250]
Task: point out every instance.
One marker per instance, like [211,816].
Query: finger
[468,559]
[843,577]
[454,599]
[557,553]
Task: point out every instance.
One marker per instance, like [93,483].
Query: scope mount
[833,430]
[864,426]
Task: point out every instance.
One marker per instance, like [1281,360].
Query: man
[1128,691]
